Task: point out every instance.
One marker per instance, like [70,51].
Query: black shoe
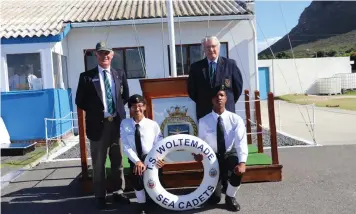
[232,204]
[100,203]
[223,189]
[121,198]
[143,208]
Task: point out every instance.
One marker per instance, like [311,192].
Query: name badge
[94,80]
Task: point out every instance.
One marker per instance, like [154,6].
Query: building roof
[35,18]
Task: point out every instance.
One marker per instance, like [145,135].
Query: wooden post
[248,117]
[272,127]
[258,122]
[82,144]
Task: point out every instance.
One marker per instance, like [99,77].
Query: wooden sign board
[169,105]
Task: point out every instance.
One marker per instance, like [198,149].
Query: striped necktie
[109,98]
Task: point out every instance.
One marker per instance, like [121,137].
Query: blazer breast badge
[227,83]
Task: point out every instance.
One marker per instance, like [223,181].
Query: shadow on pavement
[52,195]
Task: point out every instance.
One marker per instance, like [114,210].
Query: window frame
[124,59]
[7,78]
[188,55]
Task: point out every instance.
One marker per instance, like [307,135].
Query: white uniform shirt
[235,132]
[150,135]
[103,91]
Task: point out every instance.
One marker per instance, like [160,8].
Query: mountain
[325,27]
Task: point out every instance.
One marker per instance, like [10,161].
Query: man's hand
[160,163]
[198,157]
[240,169]
[139,168]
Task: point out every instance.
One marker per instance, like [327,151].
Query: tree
[283,55]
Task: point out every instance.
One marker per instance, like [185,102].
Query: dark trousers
[137,180]
[109,142]
[226,166]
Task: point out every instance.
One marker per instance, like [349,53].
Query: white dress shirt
[150,135]
[215,64]
[103,91]
[235,132]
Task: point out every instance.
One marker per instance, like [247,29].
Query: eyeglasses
[134,107]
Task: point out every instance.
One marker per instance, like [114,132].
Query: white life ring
[202,193]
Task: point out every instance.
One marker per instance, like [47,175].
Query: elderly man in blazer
[212,71]
[102,93]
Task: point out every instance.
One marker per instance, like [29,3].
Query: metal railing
[69,117]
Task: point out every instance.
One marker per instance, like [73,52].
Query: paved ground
[315,180]
[332,126]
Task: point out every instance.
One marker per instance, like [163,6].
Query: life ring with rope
[181,202]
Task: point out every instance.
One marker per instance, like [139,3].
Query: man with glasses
[213,70]
[139,135]
[102,93]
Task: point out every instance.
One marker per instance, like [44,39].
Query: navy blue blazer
[89,98]
[200,90]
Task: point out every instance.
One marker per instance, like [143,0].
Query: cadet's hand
[198,157]
[139,168]
[240,169]
[160,163]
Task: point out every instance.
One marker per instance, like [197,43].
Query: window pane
[223,50]
[118,60]
[65,71]
[57,70]
[135,61]
[181,52]
[24,71]
[195,53]
[90,60]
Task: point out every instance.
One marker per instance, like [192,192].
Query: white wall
[238,34]
[60,47]
[289,76]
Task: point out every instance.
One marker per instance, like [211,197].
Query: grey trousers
[109,142]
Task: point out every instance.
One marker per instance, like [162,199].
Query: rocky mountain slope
[324,26]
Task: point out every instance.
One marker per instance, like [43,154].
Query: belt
[110,119]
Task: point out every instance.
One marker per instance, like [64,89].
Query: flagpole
[172,47]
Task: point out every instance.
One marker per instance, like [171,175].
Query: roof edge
[35,39]
[160,20]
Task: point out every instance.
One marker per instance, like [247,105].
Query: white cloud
[261,45]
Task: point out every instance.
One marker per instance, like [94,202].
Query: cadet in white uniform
[139,135]
[225,132]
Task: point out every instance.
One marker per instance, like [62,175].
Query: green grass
[353,93]
[22,161]
[254,158]
[321,101]
[31,157]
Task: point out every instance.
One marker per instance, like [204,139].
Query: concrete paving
[315,180]
[332,126]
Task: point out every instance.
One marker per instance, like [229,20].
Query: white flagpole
[172,46]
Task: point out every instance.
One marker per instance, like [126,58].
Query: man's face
[211,49]
[104,58]
[219,100]
[138,109]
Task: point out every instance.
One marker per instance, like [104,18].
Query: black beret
[136,98]
[216,89]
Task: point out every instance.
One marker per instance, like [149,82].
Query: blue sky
[272,23]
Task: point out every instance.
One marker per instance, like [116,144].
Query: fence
[71,117]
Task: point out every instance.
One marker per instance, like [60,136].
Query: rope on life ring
[202,193]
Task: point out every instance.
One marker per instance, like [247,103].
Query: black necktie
[220,137]
[211,74]
[138,141]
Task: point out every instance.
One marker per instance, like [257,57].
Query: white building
[55,40]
